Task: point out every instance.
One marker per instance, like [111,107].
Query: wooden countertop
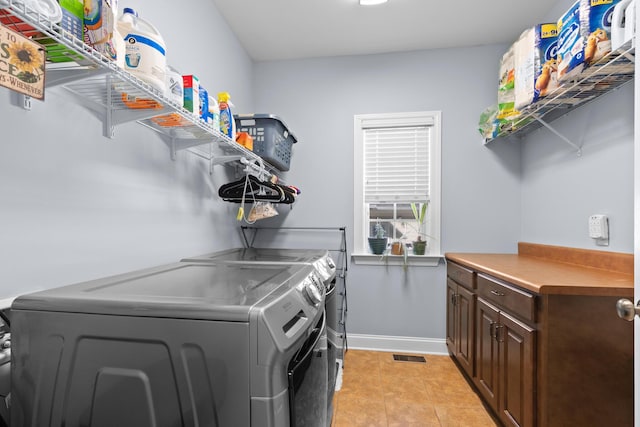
[545,269]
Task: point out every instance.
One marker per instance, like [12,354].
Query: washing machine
[186,344]
[5,368]
[326,268]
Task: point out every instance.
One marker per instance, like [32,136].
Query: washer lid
[183,290]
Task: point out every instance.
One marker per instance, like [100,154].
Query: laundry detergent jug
[145,55]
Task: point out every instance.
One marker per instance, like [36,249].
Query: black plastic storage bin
[271,138]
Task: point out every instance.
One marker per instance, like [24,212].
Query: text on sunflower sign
[22,64]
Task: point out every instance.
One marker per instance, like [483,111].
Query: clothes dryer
[325,266]
[187,344]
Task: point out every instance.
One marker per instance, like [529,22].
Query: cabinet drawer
[461,275]
[513,300]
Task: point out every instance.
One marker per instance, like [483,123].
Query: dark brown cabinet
[548,351]
[486,378]
[505,361]
[461,301]
[488,334]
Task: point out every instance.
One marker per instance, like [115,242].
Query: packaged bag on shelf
[100,32]
[584,36]
[506,87]
[535,64]
[72,23]
[595,19]
[488,123]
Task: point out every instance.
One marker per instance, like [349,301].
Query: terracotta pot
[397,248]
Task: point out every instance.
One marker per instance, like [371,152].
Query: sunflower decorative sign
[21,64]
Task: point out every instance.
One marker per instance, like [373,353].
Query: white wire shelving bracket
[611,72]
[558,134]
[118,97]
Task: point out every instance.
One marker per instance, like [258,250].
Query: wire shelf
[100,85]
[612,71]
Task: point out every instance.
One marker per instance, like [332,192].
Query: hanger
[252,188]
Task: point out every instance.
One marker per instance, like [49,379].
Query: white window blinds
[396,163]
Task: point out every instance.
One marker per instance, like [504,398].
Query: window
[397,165]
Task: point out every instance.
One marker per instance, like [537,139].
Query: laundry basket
[271,138]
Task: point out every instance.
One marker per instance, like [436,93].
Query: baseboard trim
[397,344]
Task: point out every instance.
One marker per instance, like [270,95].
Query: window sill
[412,260]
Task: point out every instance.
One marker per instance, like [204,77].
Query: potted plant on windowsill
[420,214]
[378,243]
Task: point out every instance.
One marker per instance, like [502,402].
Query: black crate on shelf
[271,138]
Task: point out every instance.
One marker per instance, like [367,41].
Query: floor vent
[406,358]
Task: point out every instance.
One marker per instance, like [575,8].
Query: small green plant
[378,230]
[378,242]
[420,214]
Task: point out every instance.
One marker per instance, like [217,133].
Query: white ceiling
[288,29]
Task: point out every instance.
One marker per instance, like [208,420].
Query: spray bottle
[214,112]
[227,123]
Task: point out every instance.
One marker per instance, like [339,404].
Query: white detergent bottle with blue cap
[145,52]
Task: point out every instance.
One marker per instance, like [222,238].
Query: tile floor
[379,391]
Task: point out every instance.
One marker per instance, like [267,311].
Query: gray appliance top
[319,258]
[183,290]
[264,255]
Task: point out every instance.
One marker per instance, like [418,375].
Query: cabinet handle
[454,299]
[492,329]
[499,334]
[497,293]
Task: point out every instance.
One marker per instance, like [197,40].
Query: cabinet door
[465,306]
[516,403]
[486,378]
[451,316]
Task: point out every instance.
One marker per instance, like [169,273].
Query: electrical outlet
[26,102]
[599,229]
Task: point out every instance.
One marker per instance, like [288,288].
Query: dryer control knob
[312,292]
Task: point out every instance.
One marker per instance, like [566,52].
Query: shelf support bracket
[558,134]
[220,160]
[172,148]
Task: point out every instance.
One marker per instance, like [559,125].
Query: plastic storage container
[271,138]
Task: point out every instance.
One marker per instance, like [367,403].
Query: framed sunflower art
[22,64]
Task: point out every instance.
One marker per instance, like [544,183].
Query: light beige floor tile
[404,413]
[475,416]
[379,391]
[360,412]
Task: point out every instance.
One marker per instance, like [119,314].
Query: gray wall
[560,189]
[481,185]
[75,205]
[535,189]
